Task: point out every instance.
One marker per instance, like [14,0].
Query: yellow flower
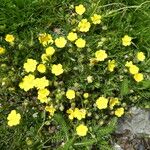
[96,19]
[102,102]
[42,99]
[2,50]
[13,118]
[41,68]
[50,51]
[140,56]
[30,65]
[45,39]
[44,58]
[80,43]
[76,113]
[79,113]
[113,102]
[89,79]
[81,130]
[42,95]
[80,9]
[100,55]
[72,36]
[119,112]
[57,69]
[70,94]
[111,65]
[27,82]
[138,77]
[84,25]
[129,64]
[50,109]
[41,83]
[126,40]
[86,95]
[133,69]
[9,38]
[71,113]
[60,42]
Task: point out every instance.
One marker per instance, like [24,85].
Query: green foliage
[124,87]
[25,19]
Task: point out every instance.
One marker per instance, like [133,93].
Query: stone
[137,122]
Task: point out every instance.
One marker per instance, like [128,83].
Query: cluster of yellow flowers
[102,103]
[51,45]
[10,39]
[134,70]
[76,113]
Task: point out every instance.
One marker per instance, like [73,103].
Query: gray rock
[138,122]
[117,147]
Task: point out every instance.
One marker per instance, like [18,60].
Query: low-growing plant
[70,83]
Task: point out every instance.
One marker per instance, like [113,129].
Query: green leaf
[124,87]
[145,84]
[86,142]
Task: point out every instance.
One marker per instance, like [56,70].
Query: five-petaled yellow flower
[111,65]
[138,77]
[41,83]
[80,9]
[9,38]
[140,56]
[80,43]
[100,55]
[81,130]
[45,39]
[84,25]
[119,112]
[96,19]
[41,68]
[102,102]
[2,50]
[70,94]
[42,95]
[50,51]
[57,69]
[13,118]
[133,69]
[72,36]
[30,65]
[28,82]
[60,42]
[126,40]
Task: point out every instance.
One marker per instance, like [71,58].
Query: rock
[138,122]
[117,147]
[140,147]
